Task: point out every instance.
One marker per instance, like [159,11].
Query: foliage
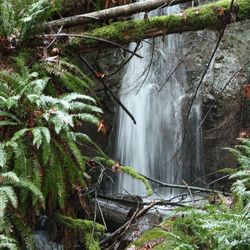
[241,186]
[20,19]
[8,204]
[85,228]
[39,141]
[42,146]
[223,226]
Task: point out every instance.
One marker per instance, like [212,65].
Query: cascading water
[156,145]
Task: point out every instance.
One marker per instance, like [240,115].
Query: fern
[7,243]
[42,144]
[21,19]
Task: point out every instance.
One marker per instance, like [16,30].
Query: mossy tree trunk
[211,16]
[119,11]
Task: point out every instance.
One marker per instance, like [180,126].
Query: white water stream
[157,146]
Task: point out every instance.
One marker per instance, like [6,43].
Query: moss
[151,235]
[91,243]
[91,240]
[129,170]
[84,225]
[244,6]
[206,16]
[133,173]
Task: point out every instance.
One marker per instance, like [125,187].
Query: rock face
[221,99]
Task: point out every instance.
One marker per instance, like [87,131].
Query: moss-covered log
[211,16]
[119,11]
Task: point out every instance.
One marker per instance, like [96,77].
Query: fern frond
[7,243]
[86,118]
[9,178]
[7,194]
[75,96]
[82,107]
[23,230]
[26,184]
[3,155]
[9,115]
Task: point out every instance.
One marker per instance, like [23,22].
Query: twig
[119,232]
[205,72]
[117,70]
[210,60]
[101,79]
[100,209]
[148,68]
[189,191]
[46,48]
[181,61]
[218,96]
[96,39]
[206,190]
[93,229]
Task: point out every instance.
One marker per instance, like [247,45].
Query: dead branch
[102,80]
[198,189]
[120,231]
[120,11]
[114,44]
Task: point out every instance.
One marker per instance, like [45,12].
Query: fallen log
[212,16]
[114,210]
[120,11]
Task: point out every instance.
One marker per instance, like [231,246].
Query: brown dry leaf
[221,11]
[101,127]
[116,167]
[100,75]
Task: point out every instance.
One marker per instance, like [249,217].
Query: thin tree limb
[199,189]
[101,79]
[94,38]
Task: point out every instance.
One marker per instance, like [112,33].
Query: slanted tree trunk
[120,11]
[211,16]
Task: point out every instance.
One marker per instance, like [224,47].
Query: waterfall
[155,146]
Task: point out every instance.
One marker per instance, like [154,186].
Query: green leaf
[3,156]
[7,123]
[46,134]
[17,135]
[7,114]
[38,138]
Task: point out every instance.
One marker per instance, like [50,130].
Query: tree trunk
[212,16]
[120,11]
[115,210]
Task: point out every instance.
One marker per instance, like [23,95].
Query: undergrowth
[222,226]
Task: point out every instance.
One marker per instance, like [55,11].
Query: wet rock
[221,100]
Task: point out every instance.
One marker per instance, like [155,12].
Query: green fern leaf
[87,118]
[7,193]
[3,156]
[38,138]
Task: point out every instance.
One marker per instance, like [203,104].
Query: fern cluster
[20,19]
[39,144]
[241,176]
[222,226]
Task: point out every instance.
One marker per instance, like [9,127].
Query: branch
[120,11]
[199,189]
[138,213]
[102,40]
[212,16]
[102,80]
